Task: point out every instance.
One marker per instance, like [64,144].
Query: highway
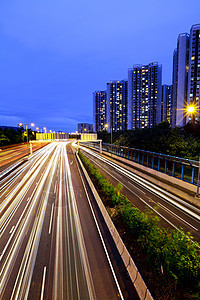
[11,154]
[53,241]
[173,211]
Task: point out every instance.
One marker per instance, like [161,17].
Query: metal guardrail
[181,168]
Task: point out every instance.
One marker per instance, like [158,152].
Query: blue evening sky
[55,53]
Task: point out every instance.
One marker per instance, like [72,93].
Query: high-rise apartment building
[194,70]
[85,128]
[180,80]
[144,95]
[166,105]
[99,110]
[117,97]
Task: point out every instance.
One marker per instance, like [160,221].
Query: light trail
[39,208]
[23,279]
[183,207]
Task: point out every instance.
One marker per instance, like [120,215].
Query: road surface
[13,153]
[173,211]
[52,245]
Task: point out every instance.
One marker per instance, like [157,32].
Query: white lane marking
[12,229]
[154,189]
[116,174]
[33,191]
[171,212]
[28,199]
[101,237]
[71,162]
[136,187]
[51,217]
[43,282]
[78,230]
[147,204]
[144,201]
[55,188]
[116,179]
[8,242]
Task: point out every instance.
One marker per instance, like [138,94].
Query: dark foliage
[169,251]
[9,136]
[182,142]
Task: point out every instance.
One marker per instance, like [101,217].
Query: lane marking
[55,188]
[51,217]
[136,187]
[12,229]
[171,212]
[43,282]
[146,202]
[153,188]
[101,237]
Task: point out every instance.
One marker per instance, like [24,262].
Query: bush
[175,251]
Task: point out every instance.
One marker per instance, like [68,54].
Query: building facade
[144,95]
[117,99]
[166,103]
[85,128]
[99,110]
[180,80]
[193,96]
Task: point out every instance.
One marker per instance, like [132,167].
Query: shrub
[175,251]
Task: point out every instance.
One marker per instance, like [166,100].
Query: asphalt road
[53,241]
[13,153]
[173,211]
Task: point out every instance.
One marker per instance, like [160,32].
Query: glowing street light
[106,126]
[32,125]
[191,109]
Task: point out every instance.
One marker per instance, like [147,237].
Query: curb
[136,278]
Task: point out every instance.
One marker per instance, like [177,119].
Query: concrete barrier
[136,278]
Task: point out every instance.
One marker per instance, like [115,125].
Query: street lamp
[192,111]
[32,124]
[106,126]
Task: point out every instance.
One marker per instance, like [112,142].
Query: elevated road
[173,211]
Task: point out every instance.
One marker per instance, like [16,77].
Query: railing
[181,168]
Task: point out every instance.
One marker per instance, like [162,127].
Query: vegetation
[9,136]
[182,142]
[169,251]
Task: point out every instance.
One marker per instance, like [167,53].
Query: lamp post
[106,126]
[32,124]
[192,110]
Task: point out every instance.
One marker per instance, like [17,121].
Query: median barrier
[136,278]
